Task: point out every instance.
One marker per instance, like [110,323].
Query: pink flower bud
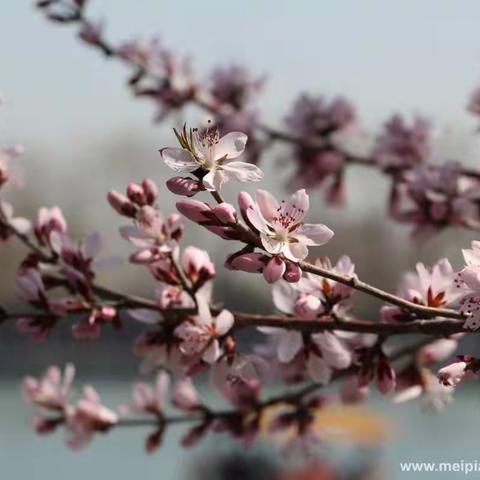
[227,233]
[194,210]
[274,270]
[151,190]
[293,273]
[245,201]
[121,204]
[108,313]
[452,374]
[386,379]
[185,186]
[246,262]
[225,213]
[142,256]
[136,195]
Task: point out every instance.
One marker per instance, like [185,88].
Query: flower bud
[246,262]
[245,201]
[194,210]
[293,273]
[185,186]
[225,213]
[136,194]
[151,191]
[274,270]
[121,204]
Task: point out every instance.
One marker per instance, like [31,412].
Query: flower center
[288,219]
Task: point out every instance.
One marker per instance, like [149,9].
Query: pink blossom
[452,374]
[433,287]
[185,396]
[402,145]
[200,334]
[152,235]
[433,197]
[88,417]
[238,380]
[333,291]
[323,351]
[314,117]
[426,386]
[90,327]
[234,86]
[197,266]
[468,286]
[437,351]
[149,399]
[177,86]
[281,225]
[52,390]
[49,220]
[78,258]
[212,154]
[323,124]
[22,225]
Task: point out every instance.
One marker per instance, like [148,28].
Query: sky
[84,134]
[386,56]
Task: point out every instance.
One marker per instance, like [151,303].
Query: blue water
[418,436]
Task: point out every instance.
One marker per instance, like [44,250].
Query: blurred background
[84,134]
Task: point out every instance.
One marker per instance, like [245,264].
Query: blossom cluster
[317,336]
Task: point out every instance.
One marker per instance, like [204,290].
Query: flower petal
[231,145]
[295,251]
[297,205]
[318,369]
[334,352]
[315,234]
[267,204]
[211,354]
[290,343]
[256,219]
[224,322]
[214,180]
[242,171]
[179,159]
[284,296]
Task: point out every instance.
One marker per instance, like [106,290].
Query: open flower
[200,334]
[52,390]
[88,417]
[212,153]
[430,286]
[281,225]
[468,285]
[149,399]
[403,144]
